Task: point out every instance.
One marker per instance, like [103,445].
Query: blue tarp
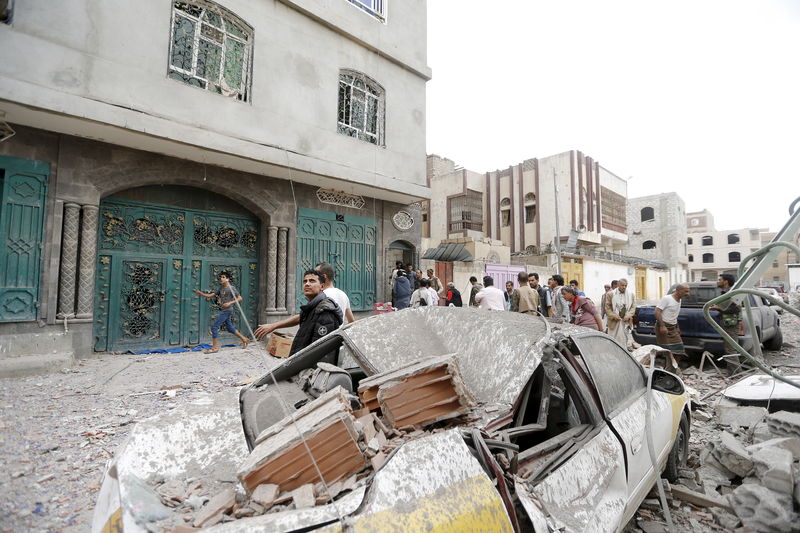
[197,348]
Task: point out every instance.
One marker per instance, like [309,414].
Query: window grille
[734,257]
[210,48]
[505,202]
[361,107]
[466,212]
[376,8]
[648,245]
[708,240]
[329,196]
[613,210]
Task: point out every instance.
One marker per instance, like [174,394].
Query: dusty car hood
[496,356]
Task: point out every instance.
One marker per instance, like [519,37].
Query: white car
[776,294]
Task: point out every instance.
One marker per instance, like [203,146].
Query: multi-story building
[713,252]
[657,232]
[778,271]
[518,215]
[160,142]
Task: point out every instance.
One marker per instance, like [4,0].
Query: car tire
[680,451]
[776,342]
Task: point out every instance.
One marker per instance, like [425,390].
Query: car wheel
[776,342]
[680,451]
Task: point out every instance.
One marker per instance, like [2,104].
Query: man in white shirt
[490,297]
[337,295]
[432,291]
[422,296]
[668,334]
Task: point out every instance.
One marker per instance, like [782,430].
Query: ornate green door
[348,243]
[150,260]
[23,192]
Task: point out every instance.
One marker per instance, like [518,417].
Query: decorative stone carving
[69,259]
[87,261]
[272,270]
[403,220]
[282,288]
[332,197]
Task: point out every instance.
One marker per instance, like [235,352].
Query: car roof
[497,351]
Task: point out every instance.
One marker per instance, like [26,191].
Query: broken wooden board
[420,393]
[281,457]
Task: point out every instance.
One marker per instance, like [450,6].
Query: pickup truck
[698,335]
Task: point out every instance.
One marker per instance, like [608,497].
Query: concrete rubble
[347,446]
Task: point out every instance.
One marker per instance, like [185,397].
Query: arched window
[505,202]
[361,107]
[691,258]
[649,245]
[708,240]
[733,238]
[530,208]
[689,241]
[708,258]
[734,257]
[210,48]
[648,214]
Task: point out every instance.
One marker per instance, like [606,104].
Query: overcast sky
[698,97]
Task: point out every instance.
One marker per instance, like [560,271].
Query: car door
[622,387]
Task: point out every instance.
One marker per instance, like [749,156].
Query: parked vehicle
[778,288]
[557,424]
[698,335]
[774,292]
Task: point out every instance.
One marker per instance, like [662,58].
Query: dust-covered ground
[58,431]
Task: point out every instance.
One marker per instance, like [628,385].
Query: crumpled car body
[556,440]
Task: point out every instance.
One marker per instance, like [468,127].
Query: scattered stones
[265,494]
[213,510]
[303,497]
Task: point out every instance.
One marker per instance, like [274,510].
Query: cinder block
[730,453]
[786,443]
[784,424]
[328,430]
[421,393]
[763,509]
[774,469]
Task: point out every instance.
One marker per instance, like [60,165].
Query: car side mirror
[667,382]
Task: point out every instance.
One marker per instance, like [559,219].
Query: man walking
[619,306]
[526,298]
[476,287]
[490,297]
[668,334]
[560,307]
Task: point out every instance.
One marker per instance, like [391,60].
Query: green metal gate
[348,243]
[151,257]
[23,193]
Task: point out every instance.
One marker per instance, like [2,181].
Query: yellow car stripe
[677,402]
[470,505]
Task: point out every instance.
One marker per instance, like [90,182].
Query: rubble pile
[326,436]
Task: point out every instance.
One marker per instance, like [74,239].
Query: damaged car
[426,419]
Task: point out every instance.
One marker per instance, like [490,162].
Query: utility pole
[557,240]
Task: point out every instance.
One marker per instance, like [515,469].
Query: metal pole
[557,240]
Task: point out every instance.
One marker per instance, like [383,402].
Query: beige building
[778,271]
[712,252]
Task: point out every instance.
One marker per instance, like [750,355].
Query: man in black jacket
[319,316]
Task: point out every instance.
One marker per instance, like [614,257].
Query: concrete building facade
[657,232]
[150,145]
[713,252]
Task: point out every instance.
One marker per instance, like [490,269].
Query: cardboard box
[279,344]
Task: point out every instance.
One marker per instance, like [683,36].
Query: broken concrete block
[762,509]
[368,424]
[378,460]
[774,469]
[740,415]
[217,506]
[420,393]
[790,444]
[761,432]
[325,427]
[265,494]
[303,497]
[784,424]
[730,453]
[701,415]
